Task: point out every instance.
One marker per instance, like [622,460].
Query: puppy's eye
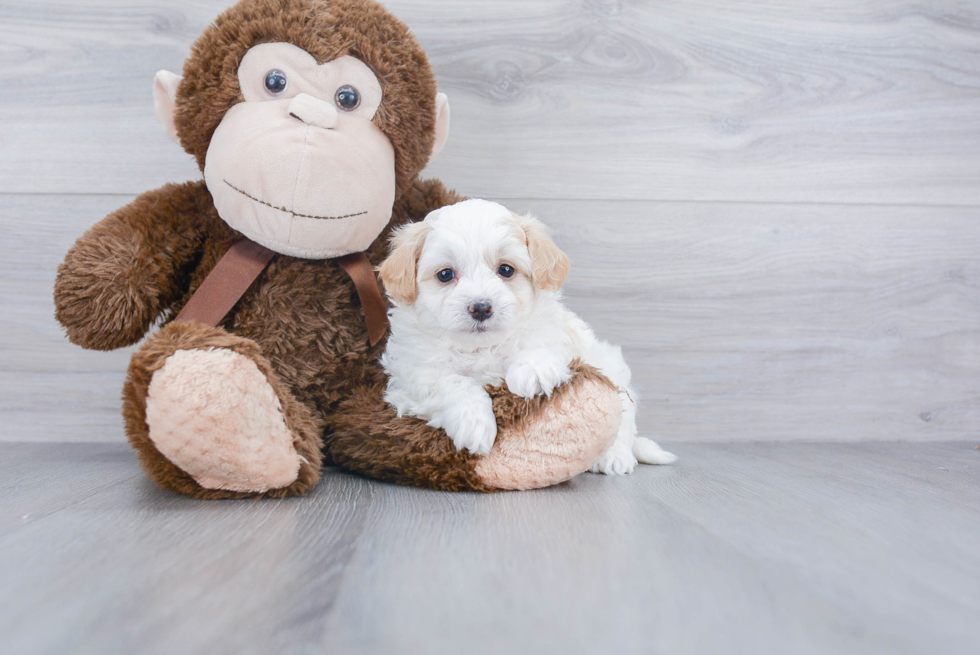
[275,82]
[505,270]
[445,275]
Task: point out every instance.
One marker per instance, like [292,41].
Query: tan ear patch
[549,265]
[400,271]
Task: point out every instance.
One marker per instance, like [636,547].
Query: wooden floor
[739,548]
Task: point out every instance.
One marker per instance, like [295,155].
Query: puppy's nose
[313,111]
[481,310]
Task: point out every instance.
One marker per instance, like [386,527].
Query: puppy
[476,301]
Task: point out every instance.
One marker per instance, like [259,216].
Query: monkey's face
[299,166]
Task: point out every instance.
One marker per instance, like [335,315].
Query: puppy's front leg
[463,409]
[536,372]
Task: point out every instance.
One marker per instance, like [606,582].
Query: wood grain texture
[739,548]
[50,390]
[831,101]
[740,321]
[784,322]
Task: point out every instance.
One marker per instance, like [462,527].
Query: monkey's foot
[215,415]
[546,441]
[209,417]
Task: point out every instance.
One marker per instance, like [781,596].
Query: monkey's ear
[165,101]
[442,124]
[549,265]
[400,270]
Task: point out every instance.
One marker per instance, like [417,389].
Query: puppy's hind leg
[619,459]
[646,451]
[628,449]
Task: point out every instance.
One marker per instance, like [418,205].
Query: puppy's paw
[475,431]
[618,460]
[537,372]
[470,423]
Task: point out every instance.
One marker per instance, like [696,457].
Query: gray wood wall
[772,206]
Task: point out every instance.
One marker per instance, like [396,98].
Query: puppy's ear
[400,270]
[549,265]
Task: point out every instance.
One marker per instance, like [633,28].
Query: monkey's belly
[306,318]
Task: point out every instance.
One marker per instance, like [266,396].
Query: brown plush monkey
[310,120]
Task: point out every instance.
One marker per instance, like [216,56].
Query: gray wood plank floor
[739,548]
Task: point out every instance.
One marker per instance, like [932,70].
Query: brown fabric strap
[226,283]
[245,260]
[359,268]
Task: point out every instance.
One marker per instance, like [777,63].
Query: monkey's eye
[347,98]
[275,82]
[505,270]
[445,275]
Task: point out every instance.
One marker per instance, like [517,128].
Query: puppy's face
[473,269]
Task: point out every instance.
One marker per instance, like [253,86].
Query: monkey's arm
[540,442]
[130,267]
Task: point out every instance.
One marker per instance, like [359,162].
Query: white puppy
[476,302]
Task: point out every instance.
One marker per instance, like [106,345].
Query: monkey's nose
[481,310]
[313,111]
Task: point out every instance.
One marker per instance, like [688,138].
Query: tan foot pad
[214,414]
[558,444]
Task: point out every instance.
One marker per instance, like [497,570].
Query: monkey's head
[308,118]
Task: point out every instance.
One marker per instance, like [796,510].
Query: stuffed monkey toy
[310,120]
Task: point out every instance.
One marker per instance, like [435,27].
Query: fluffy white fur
[440,356]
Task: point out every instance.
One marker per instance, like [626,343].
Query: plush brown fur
[135,265]
[369,438]
[301,320]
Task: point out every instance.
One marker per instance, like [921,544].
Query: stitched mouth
[289,211]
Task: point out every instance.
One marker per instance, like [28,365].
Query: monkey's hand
[125,271]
